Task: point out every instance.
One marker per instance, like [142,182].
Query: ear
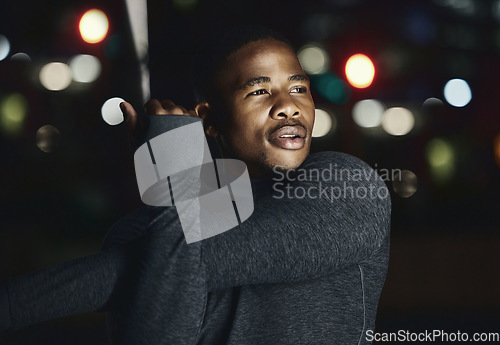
[203,111]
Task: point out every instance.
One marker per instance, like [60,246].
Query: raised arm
[300,230]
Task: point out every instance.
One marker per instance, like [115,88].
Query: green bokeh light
[13,111]
[331,88]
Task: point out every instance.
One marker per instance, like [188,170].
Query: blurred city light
[85,68]
[432,101]
[111,112]
[457,92]
[13,112]
[398,121]
[330,88]
[392,61]
[185,5]
[47,138]
[21,57]
[368,113]
[319,26]
[113,47]
[405,183]
[420,27]
[314,59]
[55,76]
[440,157]
[94,26]
[323,123]
[496,149]
[465,7]
[495,9]
[4,47]
[360,71]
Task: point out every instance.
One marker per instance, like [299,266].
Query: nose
[284,107]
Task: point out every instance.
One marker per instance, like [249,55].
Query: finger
[172,108]
[154,107]
[129,114]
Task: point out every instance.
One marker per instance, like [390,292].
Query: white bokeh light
[323,123]
[21,57]
[85,68]
[55,76]
[313,59]
[368,113]
[398,121]
[405,183]
[457,92]
[111,112]
[4,47]
[432,101]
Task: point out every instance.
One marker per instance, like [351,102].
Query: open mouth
[289,137]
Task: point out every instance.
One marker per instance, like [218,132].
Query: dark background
[444,262]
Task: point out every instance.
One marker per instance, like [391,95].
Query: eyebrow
[262,80]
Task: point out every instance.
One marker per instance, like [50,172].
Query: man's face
[271,111]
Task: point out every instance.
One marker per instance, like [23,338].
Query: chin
[289,160]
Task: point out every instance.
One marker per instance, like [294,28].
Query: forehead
[267,57]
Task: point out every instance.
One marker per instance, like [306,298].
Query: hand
[152,107]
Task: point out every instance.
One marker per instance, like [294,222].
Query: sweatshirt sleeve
[87,284]
[318,226]
[4,309]
[334,212]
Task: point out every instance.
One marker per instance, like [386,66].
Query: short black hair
[214,53]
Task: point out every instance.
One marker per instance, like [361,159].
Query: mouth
[289,137]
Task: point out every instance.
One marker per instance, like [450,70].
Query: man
[306,268]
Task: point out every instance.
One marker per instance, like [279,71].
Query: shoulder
[347,176]
[334,160]
[133,225]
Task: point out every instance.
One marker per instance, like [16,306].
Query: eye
[299,89]
[258,92]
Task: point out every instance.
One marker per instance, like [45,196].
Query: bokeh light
[432,102]
[55,76]
[330,87]
[495,9]
[457,92]
[111,112]
[420,26]
[464,7]
[398,121]
[496,149]
[314,59]
[405,183]
[85,68]
[21,57]
[4,47]
[440,157]
[185,5]
[323,123]
[94,26]
[368,113]
[47,138]
[319,26]
[13,112]
[360,71]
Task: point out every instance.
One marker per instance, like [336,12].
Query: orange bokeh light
[93,26]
